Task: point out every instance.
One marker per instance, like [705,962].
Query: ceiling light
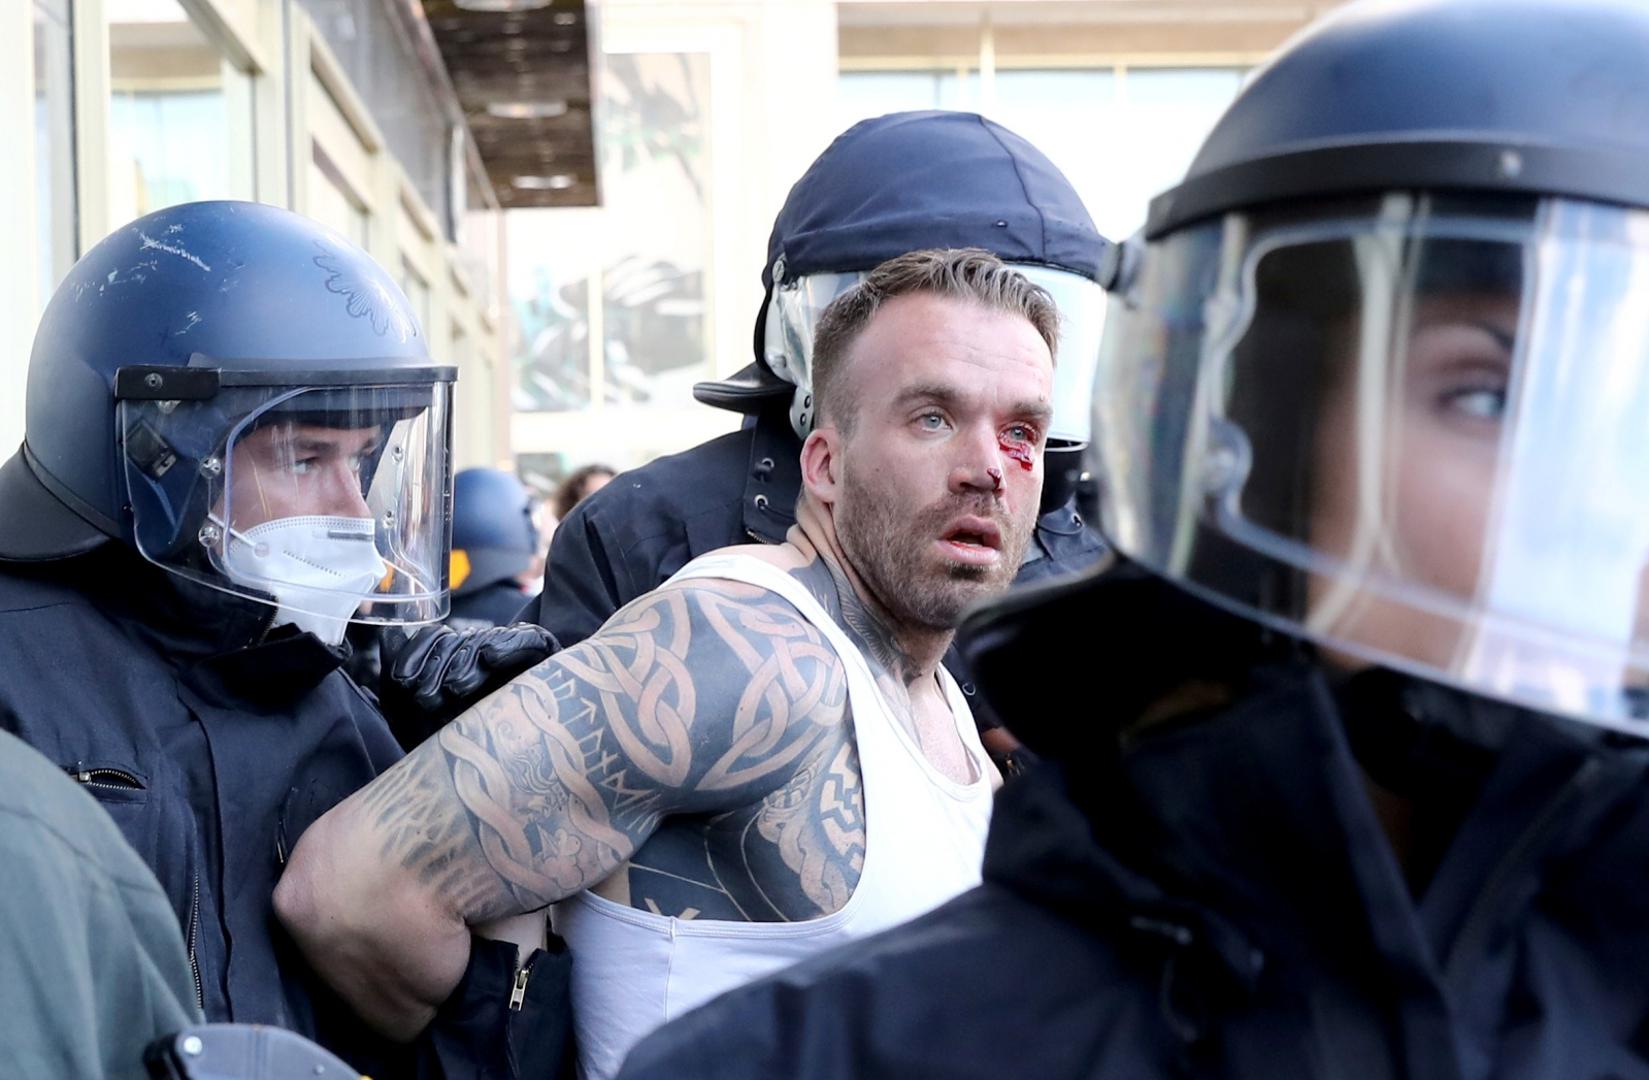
[558,182]
[565,18]
[502,5]
[526,110]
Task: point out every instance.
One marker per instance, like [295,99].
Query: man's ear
[822,464]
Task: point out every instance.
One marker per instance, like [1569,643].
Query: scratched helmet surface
[199,337]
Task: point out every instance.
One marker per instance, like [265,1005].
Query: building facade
[708,110]
[120,107]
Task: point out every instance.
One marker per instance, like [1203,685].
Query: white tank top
[924,843]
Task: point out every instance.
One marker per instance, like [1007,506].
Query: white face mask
[318,568]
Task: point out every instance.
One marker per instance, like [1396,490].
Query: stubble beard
[889,548]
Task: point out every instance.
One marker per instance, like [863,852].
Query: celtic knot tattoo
[701,743]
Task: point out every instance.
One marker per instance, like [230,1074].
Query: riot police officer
[236,445]
[1358,785]
[494,545]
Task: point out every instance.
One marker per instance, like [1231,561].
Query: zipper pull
[519,993]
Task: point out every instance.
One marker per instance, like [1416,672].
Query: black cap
[908,181]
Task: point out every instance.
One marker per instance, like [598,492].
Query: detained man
[758,760]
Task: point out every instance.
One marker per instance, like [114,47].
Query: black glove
[440,672]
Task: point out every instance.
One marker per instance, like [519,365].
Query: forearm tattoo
[707,722]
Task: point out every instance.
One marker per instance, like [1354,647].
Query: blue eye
[931,422]
[1482,403]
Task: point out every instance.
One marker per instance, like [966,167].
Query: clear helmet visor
[1417,434]
[795,308]
[330,503]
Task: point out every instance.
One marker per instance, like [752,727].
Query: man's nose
[978,464]
[344,496]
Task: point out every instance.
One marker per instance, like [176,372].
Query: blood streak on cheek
[1019,452]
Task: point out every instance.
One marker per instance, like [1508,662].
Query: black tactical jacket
[214,744]
[1214,897]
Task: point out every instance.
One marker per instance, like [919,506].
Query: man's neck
[908,654]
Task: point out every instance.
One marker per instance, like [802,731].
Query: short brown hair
[965,273]
[571,492]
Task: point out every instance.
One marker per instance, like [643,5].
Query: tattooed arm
[693,699]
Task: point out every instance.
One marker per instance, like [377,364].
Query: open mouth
[969,539]
[974,538]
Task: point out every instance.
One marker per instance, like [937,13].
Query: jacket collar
[222,642]
[1245,832]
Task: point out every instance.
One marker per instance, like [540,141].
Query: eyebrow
[939,394]
[1039,411]
[310,444]
[1501,337]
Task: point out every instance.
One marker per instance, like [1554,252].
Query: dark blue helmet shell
[492,524]
[233,286]
[913,180]
[1543,97]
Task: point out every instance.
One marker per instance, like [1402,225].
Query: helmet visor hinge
[147,382]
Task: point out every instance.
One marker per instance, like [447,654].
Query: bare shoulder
[786,556]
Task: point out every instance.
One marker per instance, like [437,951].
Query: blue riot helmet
[245,399]
[904,182]
[494,537]
[1380,378]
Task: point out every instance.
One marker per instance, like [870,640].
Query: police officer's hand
[440,672]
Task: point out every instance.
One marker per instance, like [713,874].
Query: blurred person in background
[235,447]
[494,548]
[579,485]
[1357,784]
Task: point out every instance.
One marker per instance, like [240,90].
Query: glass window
[331,201]
[479,232]
[863,94]
[631,275]
[379,61]
[1165,115]
[1120,136]
[417,290]
[56,219]
[180,123]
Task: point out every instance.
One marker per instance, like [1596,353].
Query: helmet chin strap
[779,362]
[802,415]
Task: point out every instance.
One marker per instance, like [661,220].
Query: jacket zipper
[100,777]
[518,993]
[194,961]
